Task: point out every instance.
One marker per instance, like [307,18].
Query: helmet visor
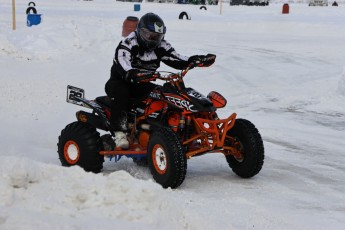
[150,36]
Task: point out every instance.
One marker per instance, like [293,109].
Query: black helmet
[150,31]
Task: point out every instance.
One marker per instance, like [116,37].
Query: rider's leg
[118,92]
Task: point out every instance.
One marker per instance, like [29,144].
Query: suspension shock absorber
[182,124]
[188,130]
[188,127]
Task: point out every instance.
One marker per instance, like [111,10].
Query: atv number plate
[73,95]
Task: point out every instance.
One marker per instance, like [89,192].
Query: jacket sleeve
[170,57]
[122,60]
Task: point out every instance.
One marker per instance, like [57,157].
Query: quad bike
[172,124]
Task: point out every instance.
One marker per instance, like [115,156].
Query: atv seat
[104,101]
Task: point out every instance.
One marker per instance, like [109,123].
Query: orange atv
[172,124]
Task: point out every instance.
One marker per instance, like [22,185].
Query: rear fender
[93,119]
[98,118]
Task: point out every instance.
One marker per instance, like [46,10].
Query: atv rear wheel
[80,144]
[247,140]
[166,158]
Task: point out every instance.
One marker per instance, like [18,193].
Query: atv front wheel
[247,140]
[80,144]
[166,158]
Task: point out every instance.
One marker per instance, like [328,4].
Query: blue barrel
[33,19]
[136,7]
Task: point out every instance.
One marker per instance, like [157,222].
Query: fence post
[13,14]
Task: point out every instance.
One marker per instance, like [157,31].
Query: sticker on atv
[73,95]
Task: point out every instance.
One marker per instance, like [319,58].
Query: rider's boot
[121,140]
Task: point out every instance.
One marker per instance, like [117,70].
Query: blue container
[136,7]
[33,19]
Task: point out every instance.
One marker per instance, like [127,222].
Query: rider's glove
[201,60]
[140,75]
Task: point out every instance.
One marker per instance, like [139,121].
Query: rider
[136,59]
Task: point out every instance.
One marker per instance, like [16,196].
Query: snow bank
[32,188]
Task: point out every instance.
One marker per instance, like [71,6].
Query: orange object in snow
[129,25]
[285,8]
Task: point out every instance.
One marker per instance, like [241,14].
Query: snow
[283,72]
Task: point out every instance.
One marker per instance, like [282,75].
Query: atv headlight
[217,99]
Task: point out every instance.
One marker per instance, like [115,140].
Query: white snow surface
[283,72]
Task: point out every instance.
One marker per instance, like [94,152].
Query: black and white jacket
[129,55]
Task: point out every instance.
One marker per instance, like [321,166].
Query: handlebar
[196,61]
[200,61]
[169,76]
